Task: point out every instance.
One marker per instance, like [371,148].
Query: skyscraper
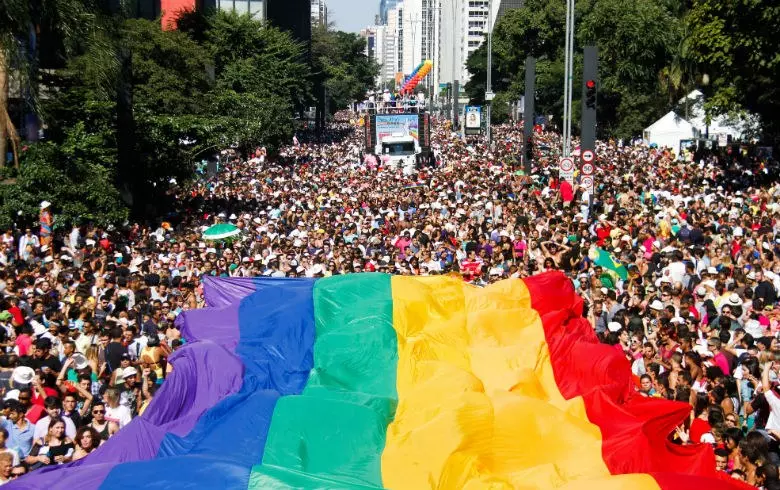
[375,50]
[384,7]
[319,13]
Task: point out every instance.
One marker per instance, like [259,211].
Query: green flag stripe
[333,435]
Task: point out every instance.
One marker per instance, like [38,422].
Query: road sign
[566,169]
[490,96]
[587,169]
[587,182]
[587,156]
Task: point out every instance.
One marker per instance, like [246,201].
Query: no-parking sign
[566,169]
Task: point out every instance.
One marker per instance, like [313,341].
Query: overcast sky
[352,15]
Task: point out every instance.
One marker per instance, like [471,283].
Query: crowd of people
[88,316]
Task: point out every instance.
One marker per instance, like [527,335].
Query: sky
[352,15]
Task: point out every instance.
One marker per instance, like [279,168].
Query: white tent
[668,131]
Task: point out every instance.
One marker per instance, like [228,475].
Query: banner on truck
[392,124]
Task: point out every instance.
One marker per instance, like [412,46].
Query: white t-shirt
[42,428]
[121,415]
[774,411]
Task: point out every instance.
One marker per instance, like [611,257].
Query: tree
[635,40]
[253,58]
[342,67]
[75,176]
[736,45]
[535,30]
[66,21]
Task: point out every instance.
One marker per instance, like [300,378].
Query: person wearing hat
[130,390]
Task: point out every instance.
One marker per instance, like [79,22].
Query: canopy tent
[668,131]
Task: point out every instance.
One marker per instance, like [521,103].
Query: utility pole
[489,82]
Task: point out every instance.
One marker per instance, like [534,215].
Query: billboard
[473,119]
[392,124]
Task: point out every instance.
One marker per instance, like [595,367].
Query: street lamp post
[568,78]
[489,81]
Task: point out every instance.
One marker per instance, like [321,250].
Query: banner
[473,119]
[393,124]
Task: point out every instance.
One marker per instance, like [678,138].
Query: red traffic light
[591,84]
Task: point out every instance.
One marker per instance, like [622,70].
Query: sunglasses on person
[98,411]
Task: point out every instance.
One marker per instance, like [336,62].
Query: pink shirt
[24,343]
[722,363]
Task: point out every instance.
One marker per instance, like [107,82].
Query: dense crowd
[89,316]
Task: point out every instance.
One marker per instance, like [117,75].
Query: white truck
[395,139]
[399,150]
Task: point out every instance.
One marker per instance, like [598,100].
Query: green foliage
[736,45]
[342,66]
[252,58]
[74,176]
[635,40]
[136,106]
[168,69]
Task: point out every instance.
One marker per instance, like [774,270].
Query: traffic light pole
[589,103]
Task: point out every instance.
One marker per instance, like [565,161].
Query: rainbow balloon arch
[417,75]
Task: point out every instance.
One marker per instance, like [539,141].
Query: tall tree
[342,66]
[65,21]
[736,45]
[635,40]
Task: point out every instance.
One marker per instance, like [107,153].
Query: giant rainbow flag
[370,381]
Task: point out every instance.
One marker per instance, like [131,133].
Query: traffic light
[590,94]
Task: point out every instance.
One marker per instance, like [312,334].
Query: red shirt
[699,427]
[602,232]
[567,193]
[16,312]
[24,343]
[469,268]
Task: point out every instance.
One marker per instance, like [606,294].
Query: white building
[445,31]
[418,36]
[319,13]
[452,62]
[475,27]
[393,53]
[375,50]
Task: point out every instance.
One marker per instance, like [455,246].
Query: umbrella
[221,231]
